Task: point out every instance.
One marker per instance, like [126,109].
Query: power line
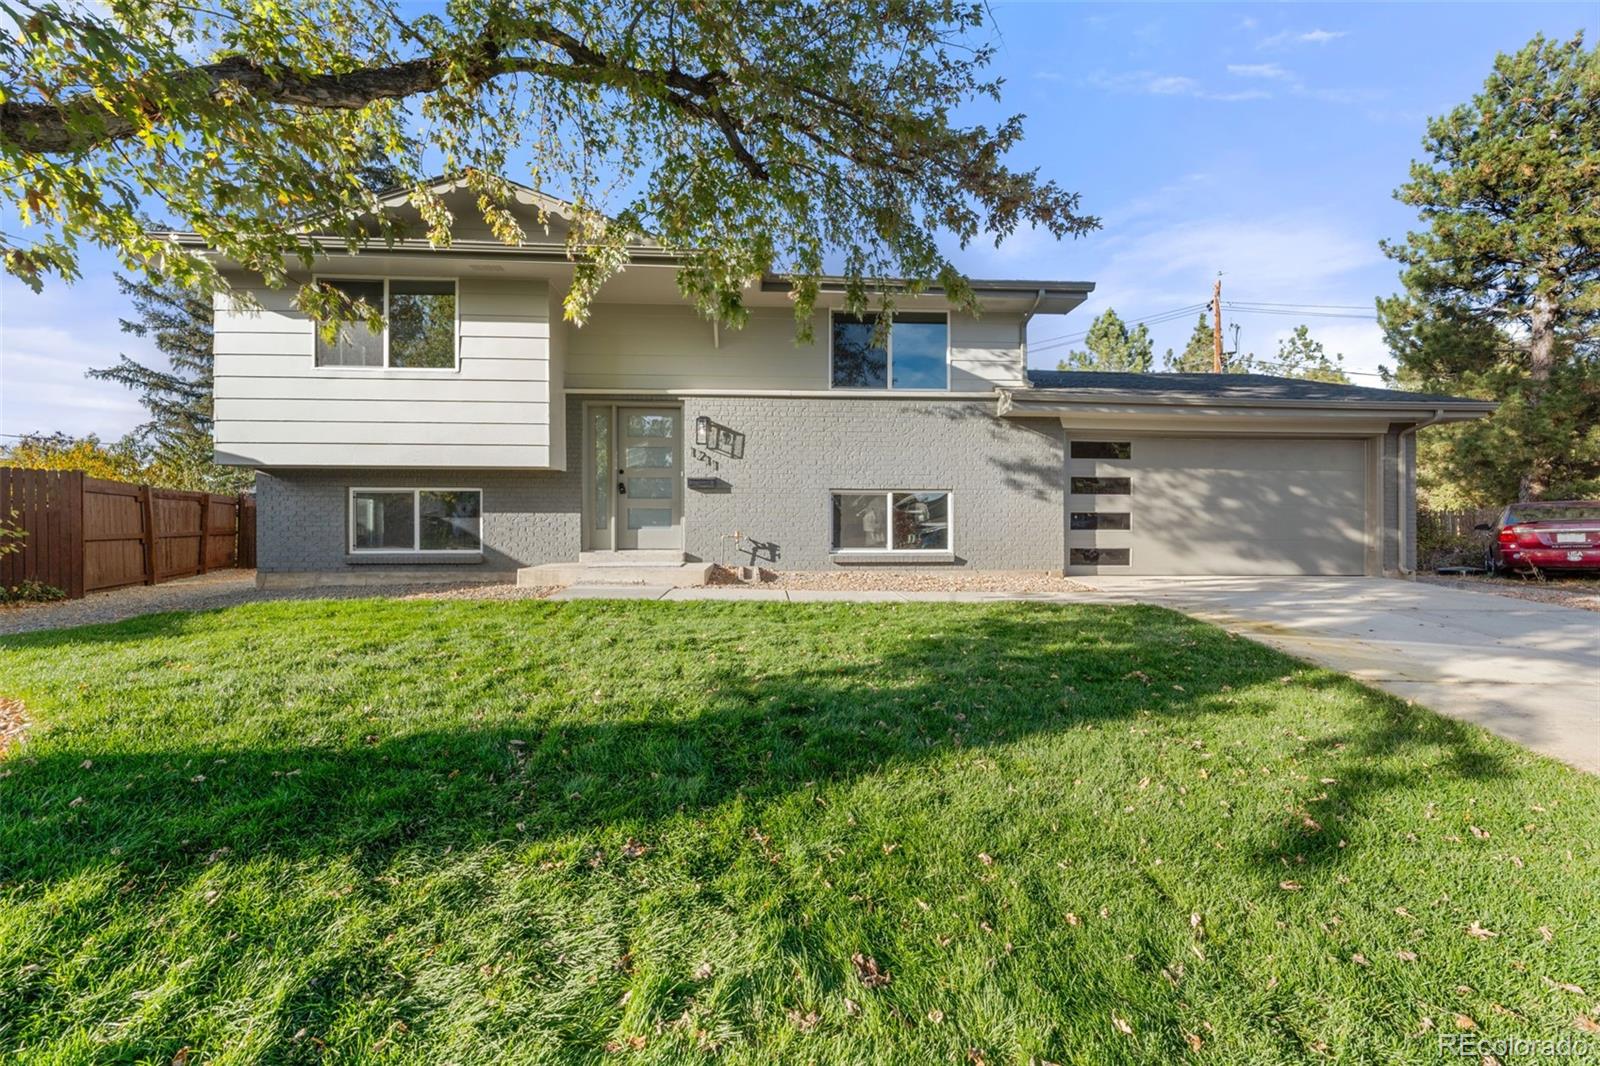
[1159,317]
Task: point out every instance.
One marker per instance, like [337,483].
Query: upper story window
[419,325]
[914,354]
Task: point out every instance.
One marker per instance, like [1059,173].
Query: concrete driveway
[1527,671]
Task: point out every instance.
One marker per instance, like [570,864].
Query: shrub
[30,591]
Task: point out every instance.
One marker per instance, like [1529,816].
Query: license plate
[1572,538]
[1574,557]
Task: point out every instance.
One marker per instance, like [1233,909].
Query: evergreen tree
[1112,346]
[1302,356]
[1502,289]
[177,439]
[1196,357]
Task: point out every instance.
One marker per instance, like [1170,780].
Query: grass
[370,831]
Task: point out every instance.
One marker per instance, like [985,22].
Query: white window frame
[889,549]
[455,347]
[416,521]
[888,342]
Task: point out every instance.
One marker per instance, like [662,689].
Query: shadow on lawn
[980,677]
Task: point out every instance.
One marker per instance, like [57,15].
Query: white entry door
[648,483]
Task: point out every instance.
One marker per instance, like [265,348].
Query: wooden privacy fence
[82,534]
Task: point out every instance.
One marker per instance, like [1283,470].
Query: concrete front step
[643,557]
[675,575]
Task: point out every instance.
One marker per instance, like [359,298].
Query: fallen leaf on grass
[1194,1042]
[634,850]
[936,1016]
[703,972]
[1122,1026]
[985,858]
[1073,919]
[851,1007]
[867,971]
[1464,1022]
[1586,1023]
[1289,886]
[1360,959]
[1574,989]
[1481,834]
[1406,956]
[804,1022]
[1544,931]
[1478,931]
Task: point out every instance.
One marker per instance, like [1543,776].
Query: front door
[638,502]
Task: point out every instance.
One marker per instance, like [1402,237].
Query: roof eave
[1048,401]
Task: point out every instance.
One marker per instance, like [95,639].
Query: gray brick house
[479,433]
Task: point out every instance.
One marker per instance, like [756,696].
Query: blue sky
[1261,140]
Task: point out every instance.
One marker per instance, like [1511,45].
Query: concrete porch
[661,569]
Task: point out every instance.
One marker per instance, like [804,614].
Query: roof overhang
[1212,414]
[1030,297]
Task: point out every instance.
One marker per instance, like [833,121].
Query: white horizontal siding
[463,456]
[275,407]
[655,347]
[323,410]
[410,431]
[451,388]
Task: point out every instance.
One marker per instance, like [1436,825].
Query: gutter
[1408,477]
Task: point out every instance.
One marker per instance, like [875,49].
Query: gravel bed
[903,581]
[1582,592]
[229,588]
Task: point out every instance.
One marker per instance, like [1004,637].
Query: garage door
[1217,505]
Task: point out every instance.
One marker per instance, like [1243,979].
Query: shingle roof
[1235,387]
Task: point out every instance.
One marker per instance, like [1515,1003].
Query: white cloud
[1259,70]
[1160,264]
[1289,37]
[42,363]
[1153,84]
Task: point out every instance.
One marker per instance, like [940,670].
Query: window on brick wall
[416,520]
[891,521]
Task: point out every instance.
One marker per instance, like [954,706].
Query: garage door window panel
[1102,449]
[1117,520]
[1102,486]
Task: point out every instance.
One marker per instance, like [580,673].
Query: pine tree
[1302,356]
[178,435]
[1502,289]
[1196,357]
[1112,346]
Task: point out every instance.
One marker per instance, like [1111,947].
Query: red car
[1545,535]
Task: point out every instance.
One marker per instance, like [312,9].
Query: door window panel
[649,456]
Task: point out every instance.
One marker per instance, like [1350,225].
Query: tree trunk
[1541,361]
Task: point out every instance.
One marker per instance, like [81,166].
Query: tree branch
[81,122]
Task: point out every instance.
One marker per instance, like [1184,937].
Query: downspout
[1022,334]
[1408,477]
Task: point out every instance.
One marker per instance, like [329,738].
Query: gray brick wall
[1005,477]
[302,515]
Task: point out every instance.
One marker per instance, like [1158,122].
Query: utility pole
[1216,327]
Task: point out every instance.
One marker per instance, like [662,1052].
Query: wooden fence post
[72,491]
[148,504]
[205,529]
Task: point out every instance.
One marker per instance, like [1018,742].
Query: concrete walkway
[1527,671]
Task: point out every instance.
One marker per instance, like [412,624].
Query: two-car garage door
[1217,505]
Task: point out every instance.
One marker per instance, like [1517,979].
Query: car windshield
[1573,512]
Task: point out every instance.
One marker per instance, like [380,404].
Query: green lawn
[475,832]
